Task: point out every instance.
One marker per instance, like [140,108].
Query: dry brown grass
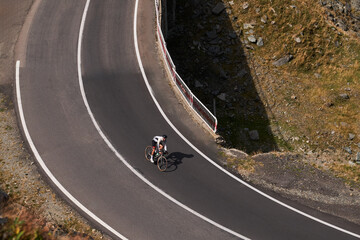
[317,115]
[25,224]
[351,174]
[316,53]
[242,165]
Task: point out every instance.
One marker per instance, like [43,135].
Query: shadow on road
[175,159]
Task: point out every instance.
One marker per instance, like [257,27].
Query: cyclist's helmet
[164,136]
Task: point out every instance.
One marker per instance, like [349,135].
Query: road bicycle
[159,158]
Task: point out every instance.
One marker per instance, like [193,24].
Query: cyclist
[158,143]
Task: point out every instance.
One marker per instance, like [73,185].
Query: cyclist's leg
[153,144]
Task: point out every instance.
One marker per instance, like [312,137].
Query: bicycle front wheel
[148,151]
[162,163]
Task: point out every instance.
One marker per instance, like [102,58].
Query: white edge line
[122,159]
[40,160]
[82,207]
[44,167]
[207,158]
[160,109]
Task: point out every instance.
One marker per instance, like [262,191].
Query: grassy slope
[325,65]
[301,98]
[317,52]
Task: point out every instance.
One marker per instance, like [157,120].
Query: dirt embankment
[297,177]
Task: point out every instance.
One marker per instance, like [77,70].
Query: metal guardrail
[198,107]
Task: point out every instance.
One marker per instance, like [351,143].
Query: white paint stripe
[122,159]
[74,200]
[45,168]
[40,160]
[162,112]
[211,161]
[49,173]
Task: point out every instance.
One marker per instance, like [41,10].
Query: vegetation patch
[282,68]
[284,79]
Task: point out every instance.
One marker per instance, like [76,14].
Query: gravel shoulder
[297,177]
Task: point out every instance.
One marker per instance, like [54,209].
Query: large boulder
[283,60]
[218,8]
[235,153]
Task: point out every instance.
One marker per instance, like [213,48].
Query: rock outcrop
[344,16]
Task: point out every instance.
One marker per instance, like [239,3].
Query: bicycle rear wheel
[148,151]
[162,163]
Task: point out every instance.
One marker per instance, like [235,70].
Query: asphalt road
[77,156]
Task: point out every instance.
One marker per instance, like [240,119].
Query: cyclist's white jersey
[158,140]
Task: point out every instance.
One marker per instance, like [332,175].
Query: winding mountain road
[110,183]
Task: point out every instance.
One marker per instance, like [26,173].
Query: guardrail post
[174,74]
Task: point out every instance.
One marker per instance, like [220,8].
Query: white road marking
[122,159]
[45,168]
[40,160]
[82,207]
[206,157]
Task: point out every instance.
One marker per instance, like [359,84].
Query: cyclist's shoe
[151,159]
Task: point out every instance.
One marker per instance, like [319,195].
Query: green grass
[16,229]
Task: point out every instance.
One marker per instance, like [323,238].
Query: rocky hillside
[344,14]
[284,73]
[286,80]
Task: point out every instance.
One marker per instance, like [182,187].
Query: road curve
[72,149]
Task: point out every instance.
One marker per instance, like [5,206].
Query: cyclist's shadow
[175,159]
